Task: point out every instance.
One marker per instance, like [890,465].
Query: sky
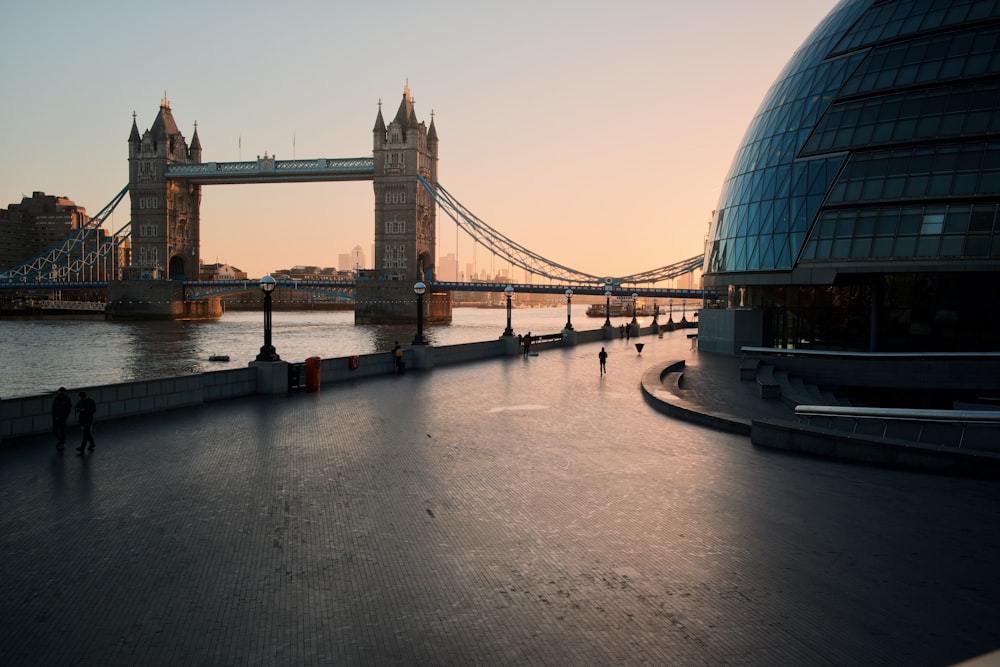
[596,134]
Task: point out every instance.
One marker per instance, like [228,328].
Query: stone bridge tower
[165,227]
[165,213]
[405,221]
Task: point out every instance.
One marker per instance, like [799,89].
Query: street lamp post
[635,298]
[607,308]
[419,288]
[267,351]
[569,307]
[508,292]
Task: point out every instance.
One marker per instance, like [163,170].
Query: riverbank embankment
[31,415]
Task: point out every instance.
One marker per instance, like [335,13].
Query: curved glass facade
[868,183]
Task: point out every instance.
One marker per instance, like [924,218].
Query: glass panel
[882,247]
[823,249]
[982,218]
[893,188]
[904,246]
[964,184]
[957,220]
[865,225]
[928,247]
[909,221]
[977,245]
[951,246]
[932,223]
[862,247]
[841,248]
[886,224]
[940,185]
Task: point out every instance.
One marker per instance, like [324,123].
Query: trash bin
[296,374]
[313,373]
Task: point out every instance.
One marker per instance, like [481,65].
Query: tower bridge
[158,276]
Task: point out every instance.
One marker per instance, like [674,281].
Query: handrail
[840,354]
[911,414]
[915,416]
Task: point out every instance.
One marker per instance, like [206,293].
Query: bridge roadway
[194,289]
[503,512]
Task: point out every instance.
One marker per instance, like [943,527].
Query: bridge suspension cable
[515,253]
[69,257]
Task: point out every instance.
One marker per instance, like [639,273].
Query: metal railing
[929,427]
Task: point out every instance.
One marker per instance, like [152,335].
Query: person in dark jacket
[85,409]
[62,406]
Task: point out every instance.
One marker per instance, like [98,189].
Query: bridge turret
[134,139]
[194,152]
[379,130]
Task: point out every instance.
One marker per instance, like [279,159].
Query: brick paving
[506,512]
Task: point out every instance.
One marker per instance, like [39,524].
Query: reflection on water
[36,356]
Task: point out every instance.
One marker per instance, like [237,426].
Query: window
[394,257]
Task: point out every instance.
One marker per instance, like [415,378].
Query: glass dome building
[861,210]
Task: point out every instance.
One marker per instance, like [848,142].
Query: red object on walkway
[313,373]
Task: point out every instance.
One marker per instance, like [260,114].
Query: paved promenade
[507,512]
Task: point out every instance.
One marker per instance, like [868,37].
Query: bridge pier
[157,300]
[394,302]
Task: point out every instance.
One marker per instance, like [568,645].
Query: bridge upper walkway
[269,170]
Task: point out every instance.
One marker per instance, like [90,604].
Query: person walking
[527,344]
[397,352]
[62,406]
[85,410]
[603,356]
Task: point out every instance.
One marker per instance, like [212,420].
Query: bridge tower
[405,221]
[165,227]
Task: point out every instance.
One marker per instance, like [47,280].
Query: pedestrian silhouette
[397,352]
[62,406]
[85,409]
[603,356]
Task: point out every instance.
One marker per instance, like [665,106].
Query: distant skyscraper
[357,259]
[448,267]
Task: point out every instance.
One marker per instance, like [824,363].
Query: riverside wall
[32,415]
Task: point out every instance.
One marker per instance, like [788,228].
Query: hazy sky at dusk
[596,134]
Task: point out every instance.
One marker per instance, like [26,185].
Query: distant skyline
[598,135]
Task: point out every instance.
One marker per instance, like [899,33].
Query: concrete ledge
[31,415]
[767,386]
[860,448]
[748,369]
[655,384]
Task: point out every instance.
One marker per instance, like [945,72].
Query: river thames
[39,355]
